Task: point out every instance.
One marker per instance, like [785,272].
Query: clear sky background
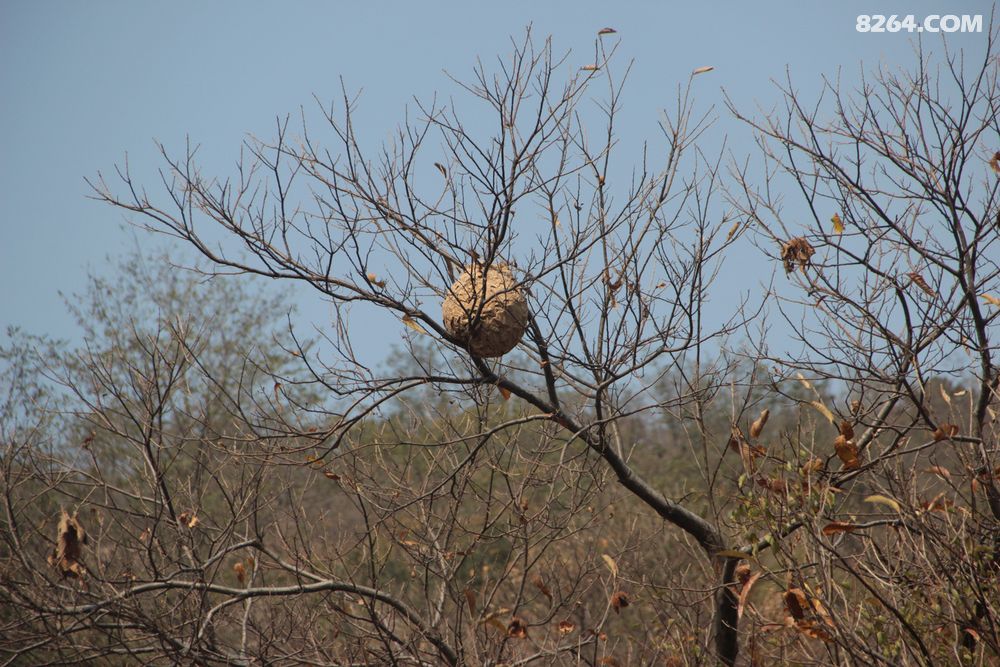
[82,83]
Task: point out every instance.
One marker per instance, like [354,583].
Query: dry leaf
[813,631]
[823,410]
[733,553]
[836,527]
[702,70]
[812,465]
[194,521]
[413,324]
[758,424]
[838,224]
[919,281]
[373,279]
[540,585]
[241,572]
[796,251]
[566,627]
[745,593]
[803,380]
[517,628]
[611,661]
[329,474]
[589,68]
[505,392]
[619,601]
[742,572]
[939,504]
[995,162]
[822,612]
[440,167]
[612,565]
[945,432]
[847,430]
[796,603]
[70,539]
[939,471]
[733,230]
[847,451]
[989,298]
[944,394]
[879,499]
[606,31]
[773,484]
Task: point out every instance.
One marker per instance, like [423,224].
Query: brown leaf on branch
[773,484]
[745,593]
[606,31]
[413,324]
[837,527]
[517,628]
[70,539]
[813,630]
[812,465]
[995,162]
[796,603]
[940,471]
[241,572]
[945,432]
[880,499]
[758,424]
[919,281]
[619,601]
[732,231]
[847,430]
[848,452]
[796,251]
[612,565]
[566,627]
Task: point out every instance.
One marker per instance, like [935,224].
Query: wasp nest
[486,310]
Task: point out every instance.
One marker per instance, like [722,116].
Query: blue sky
[82,83]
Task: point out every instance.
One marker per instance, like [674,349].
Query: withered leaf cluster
[796,251]
[846,448]
[70,539]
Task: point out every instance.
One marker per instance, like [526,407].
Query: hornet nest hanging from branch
[486,310]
